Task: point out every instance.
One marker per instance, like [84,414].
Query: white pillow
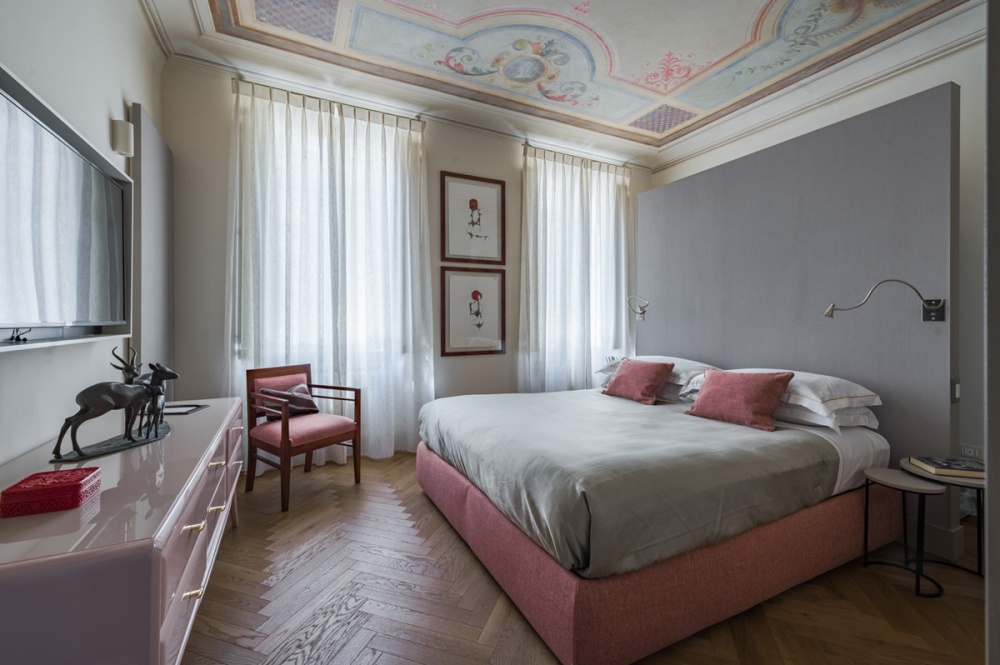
[851,416]
[684,371]
[819,393]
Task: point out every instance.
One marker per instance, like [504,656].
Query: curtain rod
[237,80]
[566,153]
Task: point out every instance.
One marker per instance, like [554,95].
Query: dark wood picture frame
[473,219]
[473,311]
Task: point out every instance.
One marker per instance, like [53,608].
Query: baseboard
[939,541]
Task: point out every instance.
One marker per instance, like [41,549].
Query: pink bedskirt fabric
[623,618]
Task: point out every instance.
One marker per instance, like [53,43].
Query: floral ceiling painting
[646,71]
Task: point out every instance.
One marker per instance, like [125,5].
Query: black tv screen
[62,259]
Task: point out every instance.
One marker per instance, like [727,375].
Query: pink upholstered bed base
[623,618]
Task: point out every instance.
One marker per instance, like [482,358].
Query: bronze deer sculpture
[129,368]
[154,409]
[100,398]
[153,413]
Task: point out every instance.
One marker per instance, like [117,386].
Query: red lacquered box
[49,491]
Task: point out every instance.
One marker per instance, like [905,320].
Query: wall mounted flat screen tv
[62,256]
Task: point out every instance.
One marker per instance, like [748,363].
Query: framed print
[472,311]
[473,217]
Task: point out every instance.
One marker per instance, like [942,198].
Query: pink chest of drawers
[121,584]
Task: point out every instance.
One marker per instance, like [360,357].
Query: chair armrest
[356,399]
[281,410]
[341,388]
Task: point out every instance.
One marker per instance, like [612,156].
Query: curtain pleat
[577,247]
[329,262]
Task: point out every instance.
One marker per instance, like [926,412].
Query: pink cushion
[741,398]
[638,381]
[303,430]
[299,399]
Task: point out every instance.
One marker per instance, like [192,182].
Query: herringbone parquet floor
[371,573]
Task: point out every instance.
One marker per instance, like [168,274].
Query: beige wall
[967,68]
[88,61]
[487,155]
[197,111]
[197,108]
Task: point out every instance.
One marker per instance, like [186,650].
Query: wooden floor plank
[443,642]
[230,614]
[373,575]
[330,628]
[417,653]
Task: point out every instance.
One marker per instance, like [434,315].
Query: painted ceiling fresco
[646,70]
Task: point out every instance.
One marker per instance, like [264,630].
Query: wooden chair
[286,435]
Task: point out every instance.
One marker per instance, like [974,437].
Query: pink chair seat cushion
[303,430]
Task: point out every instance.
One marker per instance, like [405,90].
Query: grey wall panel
[740,261]
[152,331]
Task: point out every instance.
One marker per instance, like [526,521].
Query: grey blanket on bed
[606,485]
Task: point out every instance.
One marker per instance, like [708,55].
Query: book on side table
[940,466]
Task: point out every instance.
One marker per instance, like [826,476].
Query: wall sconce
[121,137]
[640,311]
[931,310]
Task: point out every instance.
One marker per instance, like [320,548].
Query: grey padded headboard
[739,262]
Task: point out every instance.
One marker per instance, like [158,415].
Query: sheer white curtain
[329,260]
[577,254]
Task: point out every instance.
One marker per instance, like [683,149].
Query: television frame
[23,96]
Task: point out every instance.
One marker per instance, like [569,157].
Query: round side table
[978,484]
[906,483]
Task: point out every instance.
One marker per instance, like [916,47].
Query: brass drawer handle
[217,509]
[200,526]
[238,462]
[197,593]
[215,464]
[238,428]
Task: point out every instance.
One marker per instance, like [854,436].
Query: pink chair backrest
[282,383]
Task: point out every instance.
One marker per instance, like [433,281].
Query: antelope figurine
[100,398]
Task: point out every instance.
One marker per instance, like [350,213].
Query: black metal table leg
[864,558]
[920,553]
[906,537]
[980,509]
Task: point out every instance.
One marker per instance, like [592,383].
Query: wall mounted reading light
[931,310]
[640,311]
[121,137]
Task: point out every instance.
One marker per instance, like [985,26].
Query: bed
[543,488]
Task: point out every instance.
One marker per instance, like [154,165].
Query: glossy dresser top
[138,486]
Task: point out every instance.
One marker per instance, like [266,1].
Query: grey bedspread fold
[606,485]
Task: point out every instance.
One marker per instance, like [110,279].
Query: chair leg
[309,462]
[286,478]
[251,467]
[357,460]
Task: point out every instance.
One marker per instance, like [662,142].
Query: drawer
[234,466]
[185,600]
[192,530]
[182,609]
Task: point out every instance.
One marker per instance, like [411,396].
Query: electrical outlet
[969,451]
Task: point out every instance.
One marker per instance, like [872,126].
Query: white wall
[967,68]
[88,61]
